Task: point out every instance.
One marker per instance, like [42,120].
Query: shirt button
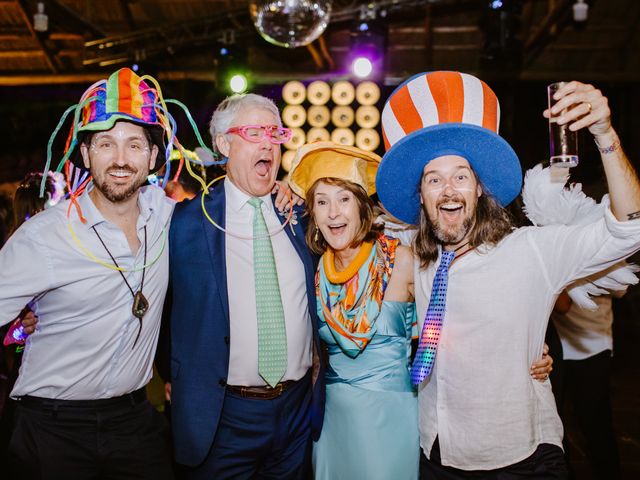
[223,382]
[226,340]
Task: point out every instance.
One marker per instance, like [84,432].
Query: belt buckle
[277,390]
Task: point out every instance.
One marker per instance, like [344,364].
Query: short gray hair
[225,114]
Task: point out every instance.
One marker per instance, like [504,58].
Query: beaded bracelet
[610,149]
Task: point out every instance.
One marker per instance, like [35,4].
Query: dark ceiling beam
[49,56]
[271,78]
[67,16]
[171,37]
[126,11]
[547,30]
[149,42]
[30,53]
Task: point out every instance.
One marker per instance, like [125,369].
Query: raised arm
[590,109]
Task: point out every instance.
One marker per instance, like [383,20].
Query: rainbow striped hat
[123,96]
[442,113]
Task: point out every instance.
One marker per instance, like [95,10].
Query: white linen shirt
[243,354]
[479,400]
[585,333]
[83,347]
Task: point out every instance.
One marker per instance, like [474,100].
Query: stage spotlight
[238,83]
[362,67]
[343,93]
[287,159]
[294,92]
[318,116]
[317,134]
[318,92]
[368,43]
[342,116]
[367,93]
[343,136]
[230,60]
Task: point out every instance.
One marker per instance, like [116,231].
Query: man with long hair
[484,288]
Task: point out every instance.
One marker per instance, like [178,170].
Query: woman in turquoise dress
[367,319]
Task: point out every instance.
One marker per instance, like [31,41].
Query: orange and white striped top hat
[443,113]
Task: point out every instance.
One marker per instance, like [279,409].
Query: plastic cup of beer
[563,143]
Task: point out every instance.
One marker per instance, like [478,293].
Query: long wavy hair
[491,224]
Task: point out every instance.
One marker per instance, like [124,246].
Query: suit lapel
[296,235]
[215,205]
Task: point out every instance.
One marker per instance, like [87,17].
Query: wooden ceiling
[177,39]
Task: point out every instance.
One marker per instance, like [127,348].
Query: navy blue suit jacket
[200,324]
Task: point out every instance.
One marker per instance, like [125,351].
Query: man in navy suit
[230,420]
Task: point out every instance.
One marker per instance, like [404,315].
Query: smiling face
[252,167]
[336,211]
[119,160]
[449,194]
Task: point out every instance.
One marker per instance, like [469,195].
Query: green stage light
[238,83]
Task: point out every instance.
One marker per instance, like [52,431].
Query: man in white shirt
[94,268]
[585,379]
[480,414]
[231,419]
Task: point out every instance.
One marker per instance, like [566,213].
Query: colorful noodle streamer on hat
[128,97]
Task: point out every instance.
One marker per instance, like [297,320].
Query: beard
[450,234]
[119,193]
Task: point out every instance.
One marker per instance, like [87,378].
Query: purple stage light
[362,67]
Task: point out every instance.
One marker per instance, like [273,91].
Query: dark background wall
[28,116]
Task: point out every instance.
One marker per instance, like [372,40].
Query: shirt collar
[237,199]
[94,217]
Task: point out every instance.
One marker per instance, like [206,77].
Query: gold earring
[315,236]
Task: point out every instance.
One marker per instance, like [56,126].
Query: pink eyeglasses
[256,133]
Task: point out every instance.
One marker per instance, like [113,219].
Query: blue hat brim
[490,156]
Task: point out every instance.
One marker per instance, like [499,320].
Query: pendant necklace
[140,303]
[456,250]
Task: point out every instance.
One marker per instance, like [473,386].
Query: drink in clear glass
[563,143]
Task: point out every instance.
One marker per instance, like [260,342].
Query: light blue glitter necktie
[272,335]
[430,336]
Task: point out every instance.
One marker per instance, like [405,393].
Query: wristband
[611,148]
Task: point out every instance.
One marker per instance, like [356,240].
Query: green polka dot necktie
[272,335]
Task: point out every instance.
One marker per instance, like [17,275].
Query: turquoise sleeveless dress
[370,428]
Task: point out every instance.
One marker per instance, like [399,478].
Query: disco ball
[290,23]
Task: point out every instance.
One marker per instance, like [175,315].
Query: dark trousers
[94,439]
[585,389]
[261,439]
[546,463]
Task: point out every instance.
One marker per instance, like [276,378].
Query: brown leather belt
[264,393]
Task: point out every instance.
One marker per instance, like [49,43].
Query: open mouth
[338,229]
[451,211]
[263,167]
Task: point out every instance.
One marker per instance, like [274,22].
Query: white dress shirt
[479,399]
[243,357]
[83,348]
[585,333]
